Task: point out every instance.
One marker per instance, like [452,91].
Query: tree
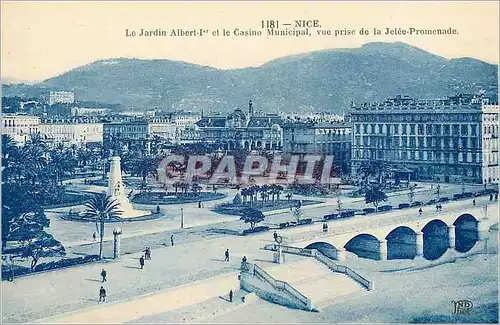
[237,199]
[100,209]
[252,216]
[43,245]
[339,205]
[411,194]
[375,195]
[145,166]
[196,188]
[297,213]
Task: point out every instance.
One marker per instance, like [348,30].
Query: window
[404,128]
[420,129]
[412,129]
[464,130]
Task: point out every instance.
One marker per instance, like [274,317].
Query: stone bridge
[459,227]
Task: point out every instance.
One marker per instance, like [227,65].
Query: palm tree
[196,188]
[145,166]
[100,209]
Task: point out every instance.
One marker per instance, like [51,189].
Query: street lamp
[182,217]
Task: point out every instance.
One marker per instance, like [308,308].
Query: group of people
[495,196]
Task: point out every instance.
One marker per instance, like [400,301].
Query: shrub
[256,229]
[284,225]
[404,205]
[416,204]
[331,216]
[347,214]
[432,201]
[54,265]
[368,210]
[443,199]
[457,196]
[305,221]
[385,208]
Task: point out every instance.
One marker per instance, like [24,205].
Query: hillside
[325,80]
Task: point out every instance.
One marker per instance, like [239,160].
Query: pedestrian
[157,209]
[275,236]
[102,294]
[103,275]
[474,202]
[172,240]
[226,255]
[141,262]
[94,236]
[199,204]
[230,295]
[491,196]
[496,196]
[147,253]
[420,211]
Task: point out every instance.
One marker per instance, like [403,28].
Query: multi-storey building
[85,111]
[61,97]
[242,131]
[127,134]
[70,131]
[319,138]
[450,140]
[20,127]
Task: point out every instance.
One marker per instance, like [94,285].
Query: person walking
[172,240]
[141,262]
[103,275]
[474,202]
[491,197]
[94,235]
[231,295]
[275,236]
[226,255]
[420,211]
[102,294]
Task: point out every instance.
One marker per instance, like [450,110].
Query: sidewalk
[175,298]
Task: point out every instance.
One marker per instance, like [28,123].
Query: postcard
[250,162]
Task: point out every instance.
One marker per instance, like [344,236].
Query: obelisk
[116,189]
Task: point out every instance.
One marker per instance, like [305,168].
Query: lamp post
[182,217]
[116,242]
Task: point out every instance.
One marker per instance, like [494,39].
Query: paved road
[198,256]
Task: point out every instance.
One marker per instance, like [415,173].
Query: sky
[44,39]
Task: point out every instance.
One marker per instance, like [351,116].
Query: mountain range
[327,80]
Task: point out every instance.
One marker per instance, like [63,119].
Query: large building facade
[242,131]
[71,131]
[20,127]
[449,140]
[319,138]
[61,97]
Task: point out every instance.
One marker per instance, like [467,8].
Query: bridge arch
[401,243]
[436,239]
[365,246]
[466,232]
[325,248]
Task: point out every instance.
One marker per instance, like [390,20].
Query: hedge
[404,205]
[331,216]
[305,221]
[385,208]
[368,210]
[54,265]
[347,214]
[443,199]
[416,204]
[256,229]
